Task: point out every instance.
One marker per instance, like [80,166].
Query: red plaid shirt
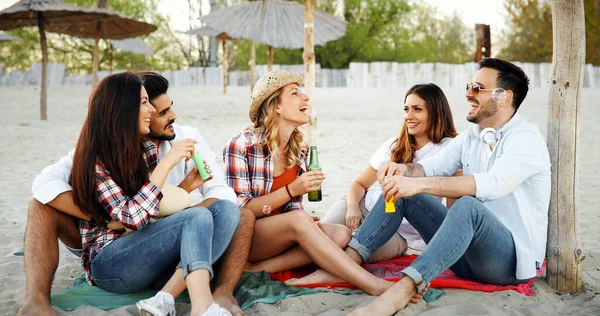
[249,169]
[132,212]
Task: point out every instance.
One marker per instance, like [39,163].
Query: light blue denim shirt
[515,186]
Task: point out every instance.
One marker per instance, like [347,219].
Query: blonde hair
[268,122]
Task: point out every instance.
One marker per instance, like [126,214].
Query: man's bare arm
[65,203]
[451,187]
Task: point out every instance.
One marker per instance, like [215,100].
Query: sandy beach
[352,124]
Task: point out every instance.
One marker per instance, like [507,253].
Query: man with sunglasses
[496,231]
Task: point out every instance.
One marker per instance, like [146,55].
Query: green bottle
[314,196]
[199,161]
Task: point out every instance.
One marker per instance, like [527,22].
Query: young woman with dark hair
[117,176]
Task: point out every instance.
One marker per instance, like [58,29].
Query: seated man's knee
[39,209]
[45,220]
[47,215]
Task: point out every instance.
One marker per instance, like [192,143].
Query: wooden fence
[359,75]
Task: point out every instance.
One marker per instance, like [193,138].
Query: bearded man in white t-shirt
[53,214]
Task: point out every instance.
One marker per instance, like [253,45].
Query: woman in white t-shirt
[428,127]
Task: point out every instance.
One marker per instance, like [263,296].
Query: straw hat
[267,85]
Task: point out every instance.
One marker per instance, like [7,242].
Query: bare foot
[418,296]
[31,308]
[229,302]
[393,300]
[318,277]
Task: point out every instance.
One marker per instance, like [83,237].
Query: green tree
[77,54]
[367,37]
[428,36]
[529,31]
[592,31]
[241,55]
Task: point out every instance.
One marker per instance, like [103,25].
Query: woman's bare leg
[176,284]
[198,286]
[274,235]
[296,257]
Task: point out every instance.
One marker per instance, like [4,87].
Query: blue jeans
[193,238]
[468,239]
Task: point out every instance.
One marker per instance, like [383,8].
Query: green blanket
[252,288]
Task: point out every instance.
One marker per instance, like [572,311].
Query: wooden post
[270,58]
[225,65]
[96,61]
[564,254]
[484,42]
[309,69]
[42,30]
[252,66]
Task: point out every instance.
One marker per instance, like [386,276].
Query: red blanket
[390,270]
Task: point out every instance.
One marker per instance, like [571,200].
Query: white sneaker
[161,304]
[216,310]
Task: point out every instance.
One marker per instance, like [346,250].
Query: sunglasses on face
[476,88]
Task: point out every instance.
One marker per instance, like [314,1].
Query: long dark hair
[441,124]
[111,135]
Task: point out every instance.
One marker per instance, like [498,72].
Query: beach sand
[352,124]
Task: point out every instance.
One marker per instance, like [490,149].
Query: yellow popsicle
[389,205]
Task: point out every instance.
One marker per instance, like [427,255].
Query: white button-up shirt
[55,179]
[515,186]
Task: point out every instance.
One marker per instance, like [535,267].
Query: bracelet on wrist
[288,191]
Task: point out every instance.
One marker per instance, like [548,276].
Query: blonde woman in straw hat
[266,166]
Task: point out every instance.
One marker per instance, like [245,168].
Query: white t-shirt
[380,157]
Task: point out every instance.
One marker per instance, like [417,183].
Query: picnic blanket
[391,271]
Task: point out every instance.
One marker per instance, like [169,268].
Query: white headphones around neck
[488,136]
[499,95]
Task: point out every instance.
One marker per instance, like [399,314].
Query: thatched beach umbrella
[132,45]
[59,17]
[118,28]
[9,38]
[275,23]
[223,37]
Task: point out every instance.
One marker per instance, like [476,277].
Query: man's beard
[485,111]
[161,136]
[158,136]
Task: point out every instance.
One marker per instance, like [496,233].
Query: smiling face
[161,123]
[416,116]
[293,105]
[146,111]
[482,107]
